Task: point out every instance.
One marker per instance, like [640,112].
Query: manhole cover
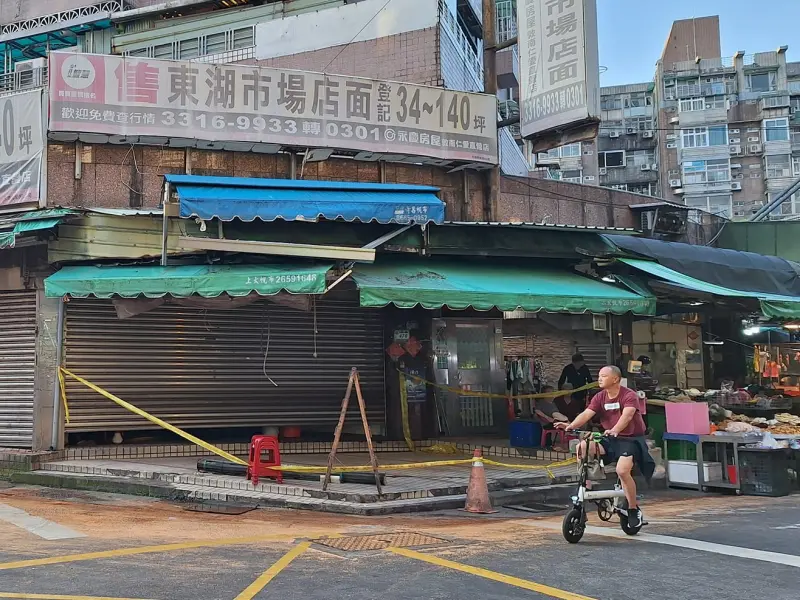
[380,541]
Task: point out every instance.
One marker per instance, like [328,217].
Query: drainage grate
[380,541]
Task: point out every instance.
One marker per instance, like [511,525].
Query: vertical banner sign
[21,147]
[560,71]
[128,96]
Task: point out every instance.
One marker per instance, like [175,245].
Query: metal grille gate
[17,367]
[212,368]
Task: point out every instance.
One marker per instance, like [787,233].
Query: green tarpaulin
[35,220]
[208,281]
[434,284]
[772,305]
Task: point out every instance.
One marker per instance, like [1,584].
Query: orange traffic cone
[478,491]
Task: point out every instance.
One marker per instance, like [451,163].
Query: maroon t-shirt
[609,411]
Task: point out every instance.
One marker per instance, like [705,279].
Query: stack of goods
[786,424]
[781,424]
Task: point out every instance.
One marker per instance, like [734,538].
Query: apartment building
[725,123]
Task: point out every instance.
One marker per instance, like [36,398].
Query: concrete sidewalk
[406,490]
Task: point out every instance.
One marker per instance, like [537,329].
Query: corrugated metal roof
[126,212]
[612,90]
[659,204]
[558,226]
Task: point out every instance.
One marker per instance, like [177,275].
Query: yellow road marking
[54,560]
[254,588]
[494,576]
[56,597]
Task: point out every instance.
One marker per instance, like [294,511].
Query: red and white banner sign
[130,96]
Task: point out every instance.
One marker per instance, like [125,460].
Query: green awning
[31,221]
[772,305]
[434,284]
[181,281]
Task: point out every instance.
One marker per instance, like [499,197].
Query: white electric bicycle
[609,502]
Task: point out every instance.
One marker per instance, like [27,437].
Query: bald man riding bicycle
[619,411]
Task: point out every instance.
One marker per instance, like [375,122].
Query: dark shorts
[618,447]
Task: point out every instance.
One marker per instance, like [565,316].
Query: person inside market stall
[619,411]
[547,412]
[577,374]
[567,405]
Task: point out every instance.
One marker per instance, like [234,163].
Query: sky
[633,32]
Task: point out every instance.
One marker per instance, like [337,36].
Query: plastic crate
[525,434]
[764,472]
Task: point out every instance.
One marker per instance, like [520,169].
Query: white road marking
[777,558]
[36,525]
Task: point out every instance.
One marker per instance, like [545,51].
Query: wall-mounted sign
[21,147]
[559,68]
[130,96]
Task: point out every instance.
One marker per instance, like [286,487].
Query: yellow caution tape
[294,468]
[404,410]
[477,394]
[156,420]
[442,449]
[63,389]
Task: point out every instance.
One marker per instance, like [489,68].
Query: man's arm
[580,420]
[587,374]
[624,420]
[543,416]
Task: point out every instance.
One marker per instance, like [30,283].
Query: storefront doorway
[472,361]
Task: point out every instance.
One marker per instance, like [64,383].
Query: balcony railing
[17,81]
[451,26]
[705,89]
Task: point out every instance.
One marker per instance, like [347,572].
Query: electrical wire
[380,10]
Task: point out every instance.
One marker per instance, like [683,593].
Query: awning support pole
[165,226]
[385,238]
[338,281]
[56,387]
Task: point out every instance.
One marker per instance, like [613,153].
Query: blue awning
[247,199]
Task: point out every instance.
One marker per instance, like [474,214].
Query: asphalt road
[708,547]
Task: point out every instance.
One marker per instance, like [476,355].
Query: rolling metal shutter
[212,368]
[17,367]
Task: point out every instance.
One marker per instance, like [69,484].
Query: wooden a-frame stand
[352,382]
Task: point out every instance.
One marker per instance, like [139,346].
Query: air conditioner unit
[674,183]
[589,178]
[733,131]
[672,145]
[736,166]
[755,175]
[734,140]
[674,120]
[644,168]
[29,73]
[614,134]
[754,148]
[631,130]
[736,149]
[735,185]
[679,191]
[647,135]
[671,137]
[654,167]
[603,171]
[753,139]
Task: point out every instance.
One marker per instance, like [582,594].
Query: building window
[195,47]
[779,165]
[610,103]
[720,204]
[645,189]
[762,82]
[643,157]
[639,123]
[776,130]
[693,104]
[612,159]
[573,176]
[638,100]
[706,171]
[700,137]
[570,150]
[796,166]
